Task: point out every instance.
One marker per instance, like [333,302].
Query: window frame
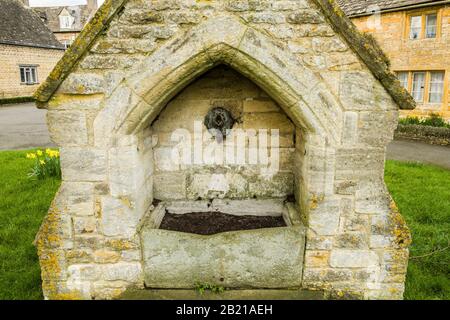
[423,14]
[442,87]
[426,26]
[427,85]
[424,92]
[69,19]
[30,71]
[410,19]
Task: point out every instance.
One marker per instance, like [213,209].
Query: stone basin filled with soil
[234,251]
[208,223]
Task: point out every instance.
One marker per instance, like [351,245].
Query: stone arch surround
[337,187]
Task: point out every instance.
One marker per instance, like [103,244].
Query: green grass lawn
[23,204]
[422,193]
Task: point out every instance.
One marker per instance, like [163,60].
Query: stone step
[232,294]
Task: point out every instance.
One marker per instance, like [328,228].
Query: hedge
[433,135]
[16,100]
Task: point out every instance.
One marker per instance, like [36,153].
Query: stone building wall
[252,109]
[13,56]
[100,116]
[66,37]
[414,55]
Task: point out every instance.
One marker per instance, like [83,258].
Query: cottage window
[423,25]
[28,74]
[425,86]
[436,87]
[66,22]
[418,86]
[403,78]
[415,29]
[431,26]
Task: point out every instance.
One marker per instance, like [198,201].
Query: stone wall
[252,110]
[13,56]
[356,240]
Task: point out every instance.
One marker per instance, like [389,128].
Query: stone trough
[260,258]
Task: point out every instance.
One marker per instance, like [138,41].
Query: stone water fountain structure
[140,71]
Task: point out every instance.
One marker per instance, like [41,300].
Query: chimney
[91,4]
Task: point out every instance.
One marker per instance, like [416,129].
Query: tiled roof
[22,26]
[50,15]
[361,7]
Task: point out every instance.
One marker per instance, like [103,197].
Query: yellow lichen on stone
[400,229]
[120,244]
[315,200]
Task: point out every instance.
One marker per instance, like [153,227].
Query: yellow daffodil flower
[42,162]
[39,152]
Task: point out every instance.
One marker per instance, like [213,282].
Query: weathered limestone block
[254,105]
[259,207]
[341,258]
[278,186]
[82,225]
[75,102]
[124,46]
[274,120]
[182,206]
[372,197]
[305,17]
[359,91]
[77,198]
[283,5]
[83,83]
[116,106]
[118,217]
[169,186]
[265,258]
[359,163]
[248,5]
[129,170]
[105,62]
[210,186]
[263,17]
[83,164]
[324,216]
[68,128]
[372,129]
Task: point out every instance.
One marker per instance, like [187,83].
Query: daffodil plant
[46,164]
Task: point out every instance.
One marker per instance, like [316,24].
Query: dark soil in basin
[207,223]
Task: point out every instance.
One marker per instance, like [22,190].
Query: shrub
[46,164]
[434,120]
[409,120]
[16,100]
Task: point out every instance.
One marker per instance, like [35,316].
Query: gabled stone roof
[50,15]
[22,26]
[363,7]
[365,46]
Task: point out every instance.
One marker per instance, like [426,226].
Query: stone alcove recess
[103,95]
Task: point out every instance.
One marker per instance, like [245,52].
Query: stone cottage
[148,81]
[28,51]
